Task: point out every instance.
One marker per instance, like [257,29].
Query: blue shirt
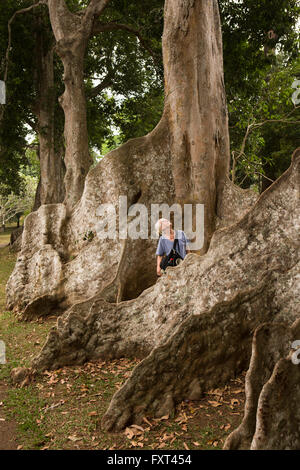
[165,245]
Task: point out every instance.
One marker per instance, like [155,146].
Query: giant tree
[192,329]
[184,160]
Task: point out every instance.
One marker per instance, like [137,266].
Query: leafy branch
[236,155]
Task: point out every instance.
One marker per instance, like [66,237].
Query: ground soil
[7,428]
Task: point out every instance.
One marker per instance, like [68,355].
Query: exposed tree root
[272,417]
[196,323]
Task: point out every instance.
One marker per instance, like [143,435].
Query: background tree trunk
[73,101]
[72,33]
[50,148]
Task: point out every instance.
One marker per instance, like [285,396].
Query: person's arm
[159,256]
[158,270]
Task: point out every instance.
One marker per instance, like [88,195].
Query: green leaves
[274,127]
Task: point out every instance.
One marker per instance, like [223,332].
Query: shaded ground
[5,236]
[62,409]
[7,428]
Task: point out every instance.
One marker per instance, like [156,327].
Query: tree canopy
[124,80]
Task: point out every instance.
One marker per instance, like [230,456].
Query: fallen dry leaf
[129,433]
[163,418]
[162,445]
[215,403]
[139,428]
[217,391]
[235,401]
[74,438]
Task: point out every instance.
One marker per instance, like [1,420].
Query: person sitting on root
[172,246]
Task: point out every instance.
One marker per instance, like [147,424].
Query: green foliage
[273,125]
[137,116]
[33,166]
[20,91]
[135,73]
[12,204]
[248,50]
[259,70]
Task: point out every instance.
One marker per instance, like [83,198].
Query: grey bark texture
[272,418]
[72,33]
[50,151]
[15,241]
[194,326]
[56,265]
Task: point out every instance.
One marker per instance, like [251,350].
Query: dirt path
[7,428]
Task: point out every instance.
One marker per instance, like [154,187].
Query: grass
[23,405]
[5,236]
[62,409]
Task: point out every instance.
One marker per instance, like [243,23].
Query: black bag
[173,258]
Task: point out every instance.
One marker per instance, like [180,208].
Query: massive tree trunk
[194,327]
[196,104]
[192,134]
[195,100]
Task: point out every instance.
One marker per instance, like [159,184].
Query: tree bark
[196,104]
[37,198]
[72,33]
[185,158]
[272,418]
[51,189]
[193,329]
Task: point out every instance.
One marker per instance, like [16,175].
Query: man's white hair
[158,225]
